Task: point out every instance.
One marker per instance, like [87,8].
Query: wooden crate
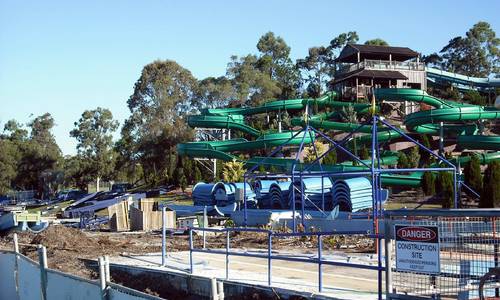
[146,218]
[118,216]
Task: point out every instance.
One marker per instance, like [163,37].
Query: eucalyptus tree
[163,95]
[94,135]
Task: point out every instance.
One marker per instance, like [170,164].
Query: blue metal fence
[320,261]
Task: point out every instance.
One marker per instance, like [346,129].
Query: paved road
[344,282]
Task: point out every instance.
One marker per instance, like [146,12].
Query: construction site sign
[417,248]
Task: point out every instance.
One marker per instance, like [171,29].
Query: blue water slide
[462,81]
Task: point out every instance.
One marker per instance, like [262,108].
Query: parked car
[69,195]
[121,187]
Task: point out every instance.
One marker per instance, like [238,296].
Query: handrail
[382,64]
[469,212]
[463,184]
[269,256]
[289,258]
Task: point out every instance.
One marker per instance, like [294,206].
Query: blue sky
[64,57]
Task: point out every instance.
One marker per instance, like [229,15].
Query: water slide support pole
[441,138]
[163,235]
[215,168]
[279,121]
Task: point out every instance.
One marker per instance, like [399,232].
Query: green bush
[472,174]
[474,97]
[197,174]
[273,169]
[402,160]
[233,171]
[429,184]
[413,158]
[425,156]
[444,185]
[311,153]
[330,158]
[364,153]
[187,164]
[219,165]
[181,179]
[491,186]
[450,93]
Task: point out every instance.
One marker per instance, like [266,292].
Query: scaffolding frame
[374,170]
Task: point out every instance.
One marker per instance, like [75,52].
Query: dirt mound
[61,237]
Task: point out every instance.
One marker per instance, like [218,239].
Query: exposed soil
[67,248]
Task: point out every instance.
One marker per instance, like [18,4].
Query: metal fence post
[302,201]
[163,236]
[191,250]
[204,224]
[456,196]
[102,277]
[107,272]
[495,259]
[42,259]
[245,213]
[220,290]
[269,259]
[320,269]
[213,287]
[227,254]
[388,256]
[16,243]
[16,264]
[294,222]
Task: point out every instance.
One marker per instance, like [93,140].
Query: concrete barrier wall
[7,275]
[187,286]
[21,279]
[118,292]
[28,279]
[115,294]
[65,286]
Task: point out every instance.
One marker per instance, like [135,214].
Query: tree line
[166,93]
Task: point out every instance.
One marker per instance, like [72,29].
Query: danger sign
[417,248]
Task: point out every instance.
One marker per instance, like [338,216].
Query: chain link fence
[468,249]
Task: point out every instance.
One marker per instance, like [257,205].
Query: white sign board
[417,248]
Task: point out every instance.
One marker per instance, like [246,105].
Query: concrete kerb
[201,286]
[42,264]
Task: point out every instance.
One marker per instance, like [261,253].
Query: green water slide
[234,118]
[236,122]
[218,149]
[479,142]
[276,105]
[451,113]
[323,121]
[454,116]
